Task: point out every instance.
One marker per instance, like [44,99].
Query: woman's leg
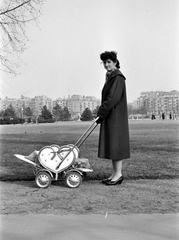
[110,177]
[117,169]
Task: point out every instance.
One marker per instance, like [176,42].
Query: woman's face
[109,65]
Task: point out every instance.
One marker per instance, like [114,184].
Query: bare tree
[14,17]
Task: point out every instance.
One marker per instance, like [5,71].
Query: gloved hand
[99,120]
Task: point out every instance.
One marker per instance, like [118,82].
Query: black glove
[99,120]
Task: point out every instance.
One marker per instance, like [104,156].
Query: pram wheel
[73,179]
[43,179]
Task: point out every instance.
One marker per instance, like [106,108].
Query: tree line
[10,116]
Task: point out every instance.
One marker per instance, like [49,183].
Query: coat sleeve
[113,98]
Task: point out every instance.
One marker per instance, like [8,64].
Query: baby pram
[60,163]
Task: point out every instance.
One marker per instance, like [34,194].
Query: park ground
[151,174]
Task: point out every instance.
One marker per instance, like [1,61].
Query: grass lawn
[151,174]
[92,197]
[154,148]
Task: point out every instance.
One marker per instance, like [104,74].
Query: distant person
[170,115]
[153,116]
[113,117]
[163,116]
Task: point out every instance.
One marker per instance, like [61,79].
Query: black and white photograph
[89,119]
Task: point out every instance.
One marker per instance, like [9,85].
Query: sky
[62,55]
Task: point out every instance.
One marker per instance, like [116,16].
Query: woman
[113,117]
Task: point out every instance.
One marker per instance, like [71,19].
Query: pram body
[54,163]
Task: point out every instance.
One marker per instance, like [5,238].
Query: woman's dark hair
[110,55]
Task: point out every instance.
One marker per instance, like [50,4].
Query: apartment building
[39,102]
[19,105]
[158,101]
[76,104]
[62,102]
[15,103]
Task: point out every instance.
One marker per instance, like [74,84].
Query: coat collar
[114,74]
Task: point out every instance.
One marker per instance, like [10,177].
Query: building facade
[158,102]
[35,104]
[76,104]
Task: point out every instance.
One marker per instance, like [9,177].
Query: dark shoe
[106,180]
[118,181]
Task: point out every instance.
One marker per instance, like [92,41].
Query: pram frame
[39,168]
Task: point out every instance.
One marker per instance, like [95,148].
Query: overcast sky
[63,55]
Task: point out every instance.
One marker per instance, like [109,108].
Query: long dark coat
[114,131]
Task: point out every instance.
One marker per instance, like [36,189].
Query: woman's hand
[99,120]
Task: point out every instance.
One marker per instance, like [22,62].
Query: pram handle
[87,133]
[82,138]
